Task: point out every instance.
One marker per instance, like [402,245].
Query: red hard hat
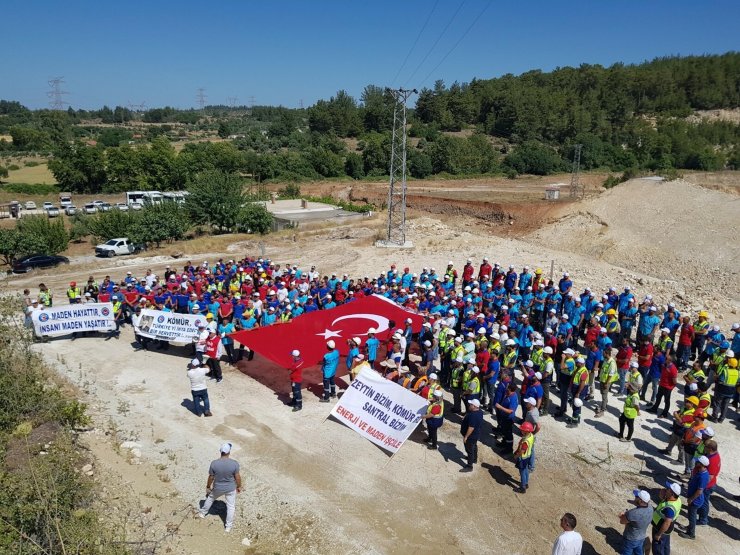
[527,427]
[73,284]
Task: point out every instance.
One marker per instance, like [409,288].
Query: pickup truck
[119,246]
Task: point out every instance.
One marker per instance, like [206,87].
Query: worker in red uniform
[296,380]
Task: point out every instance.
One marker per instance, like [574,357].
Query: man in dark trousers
[470,430]
[296,380]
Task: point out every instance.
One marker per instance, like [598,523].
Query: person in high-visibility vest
[434,417]
[567,367]
[664,516]
[725,387]
[45,295]
[74,294]
[701,328]
[579,390]
[608,374]
[548,369]
[456,384]
[522,454]
[473,389]
[682,420]
[630,412]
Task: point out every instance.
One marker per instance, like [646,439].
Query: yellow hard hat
[611,312]
[693,400]
[703,314]
[538,271]
[209,315]
[732,362]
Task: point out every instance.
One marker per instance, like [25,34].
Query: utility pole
[575,185]
[56,94]
[397,186]
[232,100]
[300,104]
[200,98]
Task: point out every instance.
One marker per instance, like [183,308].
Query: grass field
[36,174]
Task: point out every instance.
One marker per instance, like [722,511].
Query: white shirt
[197,378]
[200,345]
[568,543]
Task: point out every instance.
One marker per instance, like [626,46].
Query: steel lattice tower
[575,183]
[397,186]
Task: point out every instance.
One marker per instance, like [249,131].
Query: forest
[627,117]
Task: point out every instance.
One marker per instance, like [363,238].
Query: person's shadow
[218,508]
[188,404]
[450,452]
[500,475]
[612,537]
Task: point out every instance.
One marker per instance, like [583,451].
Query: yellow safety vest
[727,375]
[439,404]
[630,405]
[432,388]
[116,306]
[701,328]
[442,338]
[510,358]
[74,292]
[476,386]
[612,326]
[457,352]
[608,372]
[45,297]
[570,366]
[717,359]
[466,376]
[529,440]
[578,373]
[658,516]
[537,357]
[455,377]
[494,347]
[663,343]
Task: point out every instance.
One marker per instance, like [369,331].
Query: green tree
[159,223]
[79,168]
[419,164]
[353,166]
[52,233]
[109,225]
[254,218]
[215,199]
[14,244]
[535,158]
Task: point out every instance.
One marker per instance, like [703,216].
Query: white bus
[143,197]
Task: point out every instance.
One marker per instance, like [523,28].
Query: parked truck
[65,199]
[118,247]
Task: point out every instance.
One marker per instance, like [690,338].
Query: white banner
[169,326]
[71,318]
[380,410]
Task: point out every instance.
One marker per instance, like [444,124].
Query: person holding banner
[434,417]
[214,350]
[470,430]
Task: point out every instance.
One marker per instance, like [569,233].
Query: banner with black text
[169,326]
[380,410]
[73,318]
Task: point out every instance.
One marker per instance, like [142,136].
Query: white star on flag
[330,333]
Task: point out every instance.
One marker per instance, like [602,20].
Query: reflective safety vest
[631,403]
[685,413]
[529,441]
[578,373]
[665,343]
[473,386]
[74,292]
[442,338]
[570,366]
[698,375]
[45,297]
[117,306]
[441,406]
[420,382]
[494,346]
[701,328]
[727,375]
[466,377]
[608,372]
[432,388]
[536,357]
[717,358]
[699,450]
[705,399]
[658,515]
[510,358]
[285,317]
[455,377]
[457,352]
[612,326]
[547,362]
[635,378]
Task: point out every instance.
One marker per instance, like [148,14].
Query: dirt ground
[313,486]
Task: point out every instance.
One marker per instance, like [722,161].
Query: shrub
[14,167]
[31,163]
[35,189]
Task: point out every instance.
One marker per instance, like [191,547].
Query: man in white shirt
[198,388]
[200,342]
[569,542]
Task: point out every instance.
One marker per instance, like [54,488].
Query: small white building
[552,192]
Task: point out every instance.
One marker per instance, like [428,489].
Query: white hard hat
[548,350]
[481,331]
[438,392]
[529,364]
[296,353]
[577,402]
[356,340]
[330,344]
[371,330]
[432,376]
[510,342]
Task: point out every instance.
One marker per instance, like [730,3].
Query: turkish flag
[309,332]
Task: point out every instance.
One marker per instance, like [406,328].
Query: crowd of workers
[497,340]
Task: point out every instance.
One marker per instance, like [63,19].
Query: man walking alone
[223,479]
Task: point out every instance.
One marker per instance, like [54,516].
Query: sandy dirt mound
[670,230]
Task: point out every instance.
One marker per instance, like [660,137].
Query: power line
[200,97]
[457,43]
[423,27]
[56,94]
[435,42]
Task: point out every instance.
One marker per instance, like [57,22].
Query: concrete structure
[294,212]
[552,192]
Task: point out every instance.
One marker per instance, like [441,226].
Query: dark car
[34,261]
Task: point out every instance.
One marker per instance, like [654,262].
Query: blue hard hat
[724,345]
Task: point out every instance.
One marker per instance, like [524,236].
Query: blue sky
[160,52]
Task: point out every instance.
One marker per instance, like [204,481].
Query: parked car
[48,205]
[122,206]
[30,205]
[98,203]
[28,263]
[104,207]
[52,212]
[70,210]
[136,206]
[119,246]
[90,208]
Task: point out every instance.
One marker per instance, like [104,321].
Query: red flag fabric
[309,332]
